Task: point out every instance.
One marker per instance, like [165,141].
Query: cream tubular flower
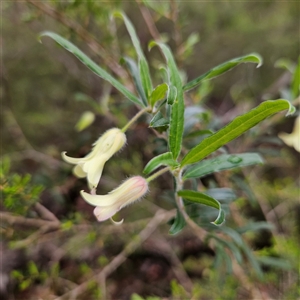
[108,205]
[91,166]
[292,139]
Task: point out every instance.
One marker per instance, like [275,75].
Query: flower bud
[107,205]
[91,166]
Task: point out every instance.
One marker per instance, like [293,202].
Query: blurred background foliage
[45,91]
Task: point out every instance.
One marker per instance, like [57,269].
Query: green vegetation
[221,217]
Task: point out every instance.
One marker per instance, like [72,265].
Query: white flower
[91,166]
[292,139]
[107,205]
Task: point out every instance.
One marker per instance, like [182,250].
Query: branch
[44,213]
[149,21]
[28,222]
[158,218]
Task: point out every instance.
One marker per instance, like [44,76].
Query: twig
[30,239]
[149,21]
[45,213]
[158,218]
[161,245]
[28,222]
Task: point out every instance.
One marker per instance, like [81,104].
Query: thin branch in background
[160,217]
[30,239]
[21,140]
[160,245]
[28,222]
[44,213]
[149,21]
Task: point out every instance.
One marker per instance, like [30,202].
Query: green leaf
[222,256]
[274,262]
[178,223]
[89,100]
[32,268]
[158,93]
[285,63]
[222,162]
[224,67]
[296,81]
[172,94]
[230,245]
[198,133]
[255,226]
[133,69]
[200,198]
[92,65]
[165,159]
[143,65]
[177,109]
[233,234]
[252,260]
[159,122]
[235,128]
[145,77]
[221,194]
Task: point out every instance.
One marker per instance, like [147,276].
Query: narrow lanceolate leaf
[159,93]
[165,159]
[92,65]
[158,121]
[296,81]
[178,223]
[200,198]
[222,162]
[143,65]
[134,71]
[224,67]
[172,94]
[234,129]
[177,109]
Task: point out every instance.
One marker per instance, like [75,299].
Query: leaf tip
[151,44]
[259,58]
[117,14]
[291,110]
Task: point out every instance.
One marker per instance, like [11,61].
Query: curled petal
[117,222]
[91,166]
[97,200]
[70,160]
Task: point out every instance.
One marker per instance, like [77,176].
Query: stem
[202,234]
[146,109]
[155,175]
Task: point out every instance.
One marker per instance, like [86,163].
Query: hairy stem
[155,175]
[141,112]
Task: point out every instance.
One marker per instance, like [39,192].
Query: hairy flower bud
[91,166]
[107,205]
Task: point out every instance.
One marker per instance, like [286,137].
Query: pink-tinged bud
[108,205]
[91,166]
